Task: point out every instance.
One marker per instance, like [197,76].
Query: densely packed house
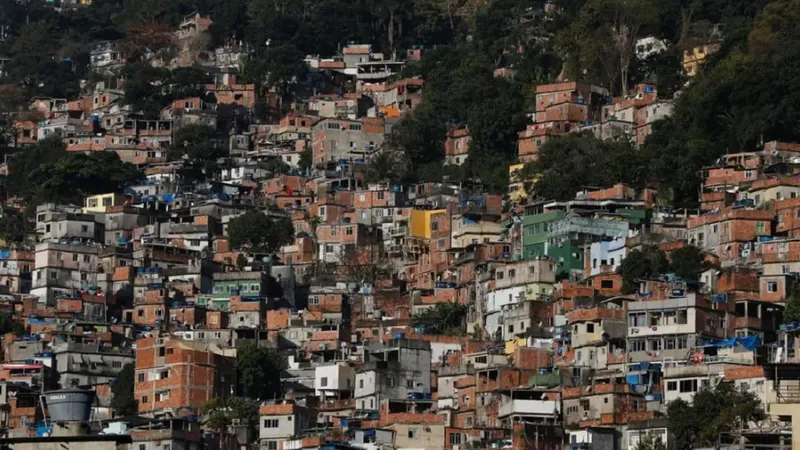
[554,348]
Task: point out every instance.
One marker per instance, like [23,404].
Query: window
[669,343]
[672,385]
[590,328]
[390,382]
[455,439]
[348,231]
[144,399]
[434,226]
[607,284]
[323,381]
[116,364]
[74,257]
[772,286]
[637,319]
[270,423]
[688,386]
[84,228]
[512,273]
[361,385]
[413,433]
[637,345]
[140,377]
[682,342]
[380,195]
[655,345]
[500,275]
[162,396]
[761,228]
[53,275]
[86,258]
[163,375]
[410,384]
[272,445]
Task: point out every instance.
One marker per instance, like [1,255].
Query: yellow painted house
[421,222]
[694,59]
[98,203]
[516,185]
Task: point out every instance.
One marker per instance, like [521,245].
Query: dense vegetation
[650,262]
[744,95]
[714,410]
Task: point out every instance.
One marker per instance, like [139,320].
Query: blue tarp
[749,342]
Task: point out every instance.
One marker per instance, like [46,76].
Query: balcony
[528,408]
[758,323]
[398,231]
[595,314]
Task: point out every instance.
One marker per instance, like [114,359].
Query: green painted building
[244,284]
[534,233]
[561,234]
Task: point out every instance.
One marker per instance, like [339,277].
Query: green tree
[443,318]
[644,264]
[123,402]
[576,161]
[792,311]
[278,66]
[14,228]
[306,159]
[387,166]
[721,409]
[650,442]
[197,143]
[420,135]
[222,413]
[9,325]
[687,262]
[260,233]
[22,164]
[259,370]
[74,176]
[603,38]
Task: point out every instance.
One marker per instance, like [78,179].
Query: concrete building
[62,269]
[173,373]
[392,371]
[334,381]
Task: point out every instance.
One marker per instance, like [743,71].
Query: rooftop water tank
[70,405]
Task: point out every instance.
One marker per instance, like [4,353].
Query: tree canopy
[259,371]
[260,233]
[443,318]
[644,264]
[45,172]
[577,161]
[716,410]
[220,413]
[123,402]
